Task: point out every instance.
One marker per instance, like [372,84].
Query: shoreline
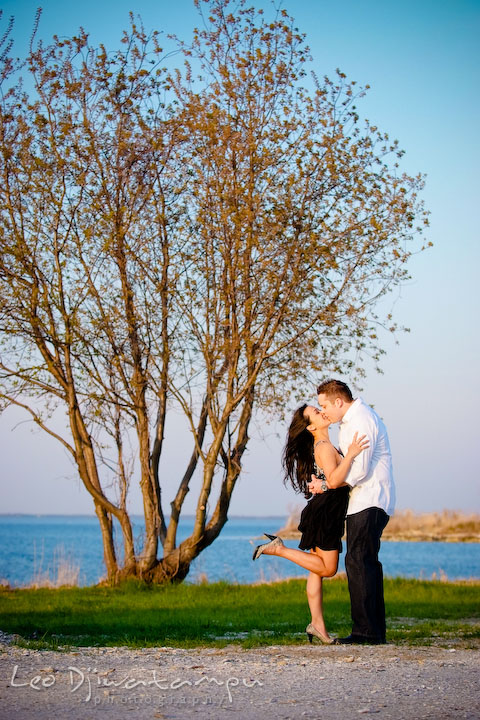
[449,526]
[402,537]
[334,682]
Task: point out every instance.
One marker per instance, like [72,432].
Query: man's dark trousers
[365,574]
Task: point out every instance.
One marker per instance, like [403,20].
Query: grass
[64,569]
[217,614]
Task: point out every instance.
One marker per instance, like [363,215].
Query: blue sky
[422,61]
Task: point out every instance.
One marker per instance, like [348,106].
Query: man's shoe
[357,640]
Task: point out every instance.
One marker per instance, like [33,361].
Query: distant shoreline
[407,526]
[134,515]
[413,537]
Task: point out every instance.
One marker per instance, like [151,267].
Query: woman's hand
[357,445]
[314,485]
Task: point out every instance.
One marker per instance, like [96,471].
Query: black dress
[322,521]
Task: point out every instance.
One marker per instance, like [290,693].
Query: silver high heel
[311,630]
[274,542]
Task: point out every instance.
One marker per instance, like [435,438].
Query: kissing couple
[354,484]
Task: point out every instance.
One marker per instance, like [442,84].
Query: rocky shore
[272,683]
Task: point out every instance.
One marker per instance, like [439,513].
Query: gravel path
[273,683]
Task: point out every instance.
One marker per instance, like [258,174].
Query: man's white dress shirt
[371,476]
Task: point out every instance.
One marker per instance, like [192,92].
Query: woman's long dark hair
[297,457]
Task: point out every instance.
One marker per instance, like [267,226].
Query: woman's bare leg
[320,562]
[315,602]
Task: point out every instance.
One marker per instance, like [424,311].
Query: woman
[308,451]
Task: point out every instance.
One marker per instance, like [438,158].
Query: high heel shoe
[274,542]
[311,630]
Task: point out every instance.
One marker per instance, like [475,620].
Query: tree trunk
[109,557]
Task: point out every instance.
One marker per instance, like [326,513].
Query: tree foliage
[200,238]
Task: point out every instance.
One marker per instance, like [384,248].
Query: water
[29,545]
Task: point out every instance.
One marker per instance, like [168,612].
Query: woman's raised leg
[320,562]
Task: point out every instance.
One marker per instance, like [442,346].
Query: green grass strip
[217,614]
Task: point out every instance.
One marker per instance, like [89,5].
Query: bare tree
[202,243]
[84,273]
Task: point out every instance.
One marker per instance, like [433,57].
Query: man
[372,501]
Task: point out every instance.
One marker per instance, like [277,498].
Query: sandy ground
[274,683]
